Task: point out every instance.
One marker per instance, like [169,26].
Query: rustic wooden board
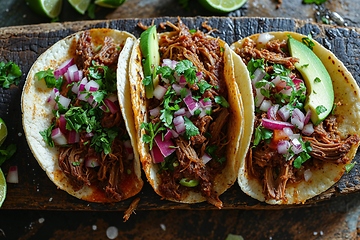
[25,43]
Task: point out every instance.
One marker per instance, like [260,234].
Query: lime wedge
[2,187]
[222,6]
[109,3]
[46,8]
[3,131]
[80,5]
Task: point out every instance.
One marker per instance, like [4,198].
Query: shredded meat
[263,162]
[272,53]
[72,159]
[206,54]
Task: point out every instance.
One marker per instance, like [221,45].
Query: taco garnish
[190,130]
[73,99]
[291,158]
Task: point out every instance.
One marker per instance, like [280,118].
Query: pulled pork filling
[264,162]
[106,171]
[186,163]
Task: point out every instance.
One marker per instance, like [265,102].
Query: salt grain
[94,227]
[112,232]
[163,227]
[41,220]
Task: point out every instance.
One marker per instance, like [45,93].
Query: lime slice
[3,131]
[80,5]
[2,187]
[109,3]
[222,6]
[46,8]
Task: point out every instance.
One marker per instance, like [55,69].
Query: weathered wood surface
[24,44]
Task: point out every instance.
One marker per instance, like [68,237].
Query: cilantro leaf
[49,78]
[318,2]
[222,101]
[190,128]
[320,109]
[151,131]
[261,133]
[186,68]
[166,72]
[203,86]
[10,73]
[46,135]
[7,153]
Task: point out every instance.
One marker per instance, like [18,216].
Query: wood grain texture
[23,44]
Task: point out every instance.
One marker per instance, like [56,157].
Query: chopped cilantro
[320,109]
[304,155]
[203,86]
[166,72]
[151,131]
[317,80]
[190,128]
[308,42]
[6,153]
[262,133]
[10,73]
[186,68]
[255,64]
[222,101]
[49,78]
[147,81]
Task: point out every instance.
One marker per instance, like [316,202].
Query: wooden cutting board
[24,44]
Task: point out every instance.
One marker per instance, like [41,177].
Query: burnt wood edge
[66,28]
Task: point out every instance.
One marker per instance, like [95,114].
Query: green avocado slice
[149,46]
[320,92]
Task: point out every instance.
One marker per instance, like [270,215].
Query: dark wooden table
[40,216]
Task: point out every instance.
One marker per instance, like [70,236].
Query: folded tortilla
[320,175]
[37,115]
[236,144]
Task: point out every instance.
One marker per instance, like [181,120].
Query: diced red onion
[113,107]
[61,70]
[272,111]
[308,129]
[274,124]
[258,75]
[112,97]
[168,135]
[78,75]
[71,70]
[159,92]
[12,175]
[297,118]
[75,88]
[182,81]
[199,75]
[58,137]
[288,131]
[205,158]
[53,94]
[296,146]
[307,174]
[155,111]
[92,86]
[258,97]
[297,82]
[283,147]
[180,112]
[191,104]
[166,147]
[169,63]
[264,38]
[81,95]
[287,91]
[179,124]
[64,101]
[174,133]
[205,104]
[62,124]
[277,81]
[307,117]
[284,113]
[265,105]
[156,155]
[73,137]
[92,161]
[177,88]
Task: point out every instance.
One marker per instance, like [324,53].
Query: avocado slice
[320,92]
[149,46]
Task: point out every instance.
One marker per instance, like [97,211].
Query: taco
[306,106]
[77,116]
[190,125]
